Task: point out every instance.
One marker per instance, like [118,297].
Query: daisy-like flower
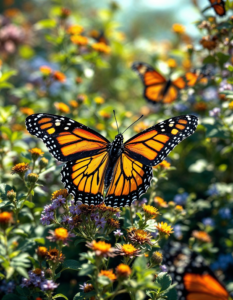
[202,236]
[230,106]
[104,114]
[42,251]
[36,153]
[150,211]
[77,220]
[47,218]
[179,208]
[123,271]
[27,111]
[59,76]
[139,236]
[54,255]
[160,202]
[171,63]
[20,169]
[127,250]
[48,285]
[111,210]
[101,47]
[45,70]
[163,268]
[109,274]
[67,220]
[86,287]
[43,163]
[6,217]
[101,248]
[58,202]
[60,235]
[79,40]
[74,29]
[164,228]
[113,223]
[62,107]
[99,100]
[61,192]
[118,233]
[178,28]
[74,209]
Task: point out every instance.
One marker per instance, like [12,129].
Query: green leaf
[71,264]
[150,225]
[20,232]
[22,271]
[103,280]
[9,272]
[86,269]
[81,295]
[5,203]
[26,52]
[11,297]
[210,59]
[46,23]
[222,58]
[7,75]
[164,280]
[140,263]
[29,204]
[79,241]
[171,294]
[60,296]
[6,85]
[2,276]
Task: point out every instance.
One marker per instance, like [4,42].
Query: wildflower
[58,202]
[171,63]
[100,126]
[105,114]
[160,202]
[118,233]
[123,271]
[54,255]
[154,234]
[103,208]
[113,223]
[87,209]
[225,213]
[27,111]
[100,222]
[61,192]
[201,236]
[157,258]
[186,63]
[99,100]
[67,219]
[7,287]
[59,76]
[180,199]
[231,105]
[208,222]
[215,112]
[11,195]
[224,262]
[35,153]
[139,236]
[164,228]
[213,191]
[48,285]
[60,234]
[65,12]
[200,106]
[45,70]
[78,80]
[140,127]
[178,28]
[76,221]
[75,29]
[163,268]
[81,98]
[150,211]
[128,250]
[74,209]
[62,107]
[42,251]
[73,103]
[225,86]
[109,274]
[164,164]
[179,208]
[20,169]
[101,248]
[5,217]
[79,40]
[47,218]
[86,287]
[11,36]
[43,163]
[209,42]
[32,178]
[101,47]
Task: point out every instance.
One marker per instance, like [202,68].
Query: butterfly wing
[130,180]
[65,138]
[151,146]
[84,178]
[218,6]
[191,78]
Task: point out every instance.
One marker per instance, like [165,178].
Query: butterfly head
[119,138]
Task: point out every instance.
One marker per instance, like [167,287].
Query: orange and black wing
[65,138]
[219,7]
[151,146]
[84,178]
[130,180]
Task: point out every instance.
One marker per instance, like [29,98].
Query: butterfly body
[93,163]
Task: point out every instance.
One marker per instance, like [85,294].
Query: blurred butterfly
[218,6]
[99,36]
[93,163]
[156,87]
[201,75]
[195,280]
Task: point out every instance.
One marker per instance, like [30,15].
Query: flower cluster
[37,279]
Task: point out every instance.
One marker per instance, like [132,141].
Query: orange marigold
[101,248]
[45,70]
[42,251]
[128,250]
[73,103]
[150,211]
[5,217]
[178,28]
[109,274]
[123,270]
[79,40]
[139,236]
[164,228]
[61,233]
[36,152]
[101,47]
[62,107]
[59,76]
[75,29]
[20,168]
[54,255]
[201,236]
[160,202]
[27,111]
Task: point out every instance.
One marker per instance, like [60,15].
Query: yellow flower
[62,107]
[42,251]
[36,152]
[171,63]
[61,233]
[178,28]
[101,47]
[139,236]
[104,114]
[75,29]
[140,127]
[108,273]
[160,201]
[201,236]
[128,250]
[27,111]
[61,192]
[101,248]
[45,70]
[123,270]
[99,126]
[231,105]
[73,103]
[59,76]
[150,211]
[79,40]
[20,168]
[186,63]
[178,208]
[99,100]
[5,217]
[164,164]
[164,228]
[113,223]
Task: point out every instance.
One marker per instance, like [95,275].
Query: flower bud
[48,273]
[43,163]
[41,252]
[157,258]
[32,178]
[11,195]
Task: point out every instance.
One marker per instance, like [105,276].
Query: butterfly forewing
[130,180]
[151,146]
[219,7]
[65,138]
[84,178]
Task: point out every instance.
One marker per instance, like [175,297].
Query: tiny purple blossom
[163,268]
[48,285]
[74,209]
[67,219]
[25,282]
[100,223]
[118,214]
[154,234]
[117,232]
[47,218]
[215,112]
[59,201]
[48,208]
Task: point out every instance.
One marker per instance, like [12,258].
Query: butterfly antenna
[132,124]
[116,120]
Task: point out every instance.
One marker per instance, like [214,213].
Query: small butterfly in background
[195,280]
[218,6]
[158,89]
[94,164]
[99,36]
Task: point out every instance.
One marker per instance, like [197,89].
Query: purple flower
[47,218]
[48,208]
[225,213]
[100,223]
[215,112]
[118,214]
[59,201]
[177,231]
[208,222]
[154,234]
[213,191]
[180,199]
[210,93]
[180,107]
[48,285]
[74,209]
[117,232]
[25,282]
[67,219]
[7,287]
[225,86]
[163,268]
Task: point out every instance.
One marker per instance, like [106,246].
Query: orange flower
[59,76]
[55,256]
[101,47]
[201,236]
[140,127]
[179,208]
[150,211]
[200,106]
[20,168]
[61,192]
[178,28]
[105,114]
[87,287]
[75,29]
[113,223]
[128,250]
[62,107]
[171,63]
[37,271]
[36,152]
[123,270]
[101,248]
[164,164]
[139,236]
[73,103]
[61,234]
[79,40]
[27,111]
[160,201]
[108,273]
[45,70]
[164,228]
[11,12]
[17,127]
[42,251]
[5,217]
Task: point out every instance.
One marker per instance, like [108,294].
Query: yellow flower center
[61,233]
[128,249]
[62,192]
[36,151]
[101,246]
[141,234]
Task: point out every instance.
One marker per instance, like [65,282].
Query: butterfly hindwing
[65,138]
[130,180]
[151,146]
[84,178]
[219,7]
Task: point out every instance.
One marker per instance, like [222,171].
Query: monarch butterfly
[195,280]
[218,6]
[156,87]
[93,163]
[99,36]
